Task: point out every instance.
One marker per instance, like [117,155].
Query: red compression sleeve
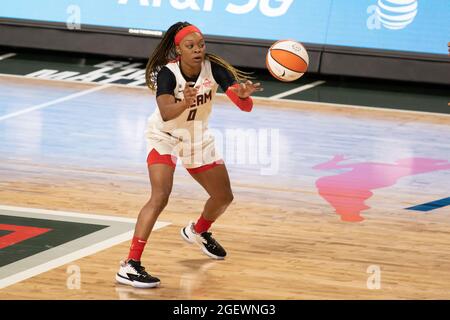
[243,104]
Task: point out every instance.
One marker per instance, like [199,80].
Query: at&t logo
[391,14]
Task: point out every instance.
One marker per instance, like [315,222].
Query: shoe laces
[209,239]
[139,269]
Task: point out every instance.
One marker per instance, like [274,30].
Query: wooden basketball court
[291,233]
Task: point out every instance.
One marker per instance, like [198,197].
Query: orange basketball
[287,60]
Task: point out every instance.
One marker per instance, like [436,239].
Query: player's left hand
[245,89]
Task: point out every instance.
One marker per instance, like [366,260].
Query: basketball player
[186,79]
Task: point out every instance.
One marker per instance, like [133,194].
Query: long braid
[166,51]
[239,75]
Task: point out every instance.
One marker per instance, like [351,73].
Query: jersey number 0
[192,114]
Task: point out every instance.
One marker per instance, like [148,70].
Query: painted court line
[77,254]
[431,205]
[67,214]
[297,90]
[6,56]
[53,102]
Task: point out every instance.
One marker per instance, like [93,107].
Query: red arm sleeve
[243,104]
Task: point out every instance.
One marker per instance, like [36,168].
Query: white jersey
[193,120]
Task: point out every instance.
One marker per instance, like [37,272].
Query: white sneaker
[133,274]
[205,241]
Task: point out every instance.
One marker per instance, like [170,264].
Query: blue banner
[405,25]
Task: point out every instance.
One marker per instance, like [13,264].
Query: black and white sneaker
[132,273]
[205,241]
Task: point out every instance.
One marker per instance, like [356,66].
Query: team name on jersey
[201,99]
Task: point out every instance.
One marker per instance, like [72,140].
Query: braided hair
[166,51]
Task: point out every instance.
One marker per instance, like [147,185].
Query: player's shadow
[125,292]
[196,275]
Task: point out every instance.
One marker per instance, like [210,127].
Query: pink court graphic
[347,191]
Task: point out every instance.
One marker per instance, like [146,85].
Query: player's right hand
[190,94]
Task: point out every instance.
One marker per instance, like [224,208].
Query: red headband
[184,32]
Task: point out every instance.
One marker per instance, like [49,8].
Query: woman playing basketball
[186,79]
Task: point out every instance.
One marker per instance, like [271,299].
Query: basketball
[287,60]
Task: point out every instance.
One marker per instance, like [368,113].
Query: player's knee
[225,198]
[160,199]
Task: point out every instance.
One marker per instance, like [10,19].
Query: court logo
[392,14]
[348,190]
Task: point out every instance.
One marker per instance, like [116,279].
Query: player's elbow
[164,114]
